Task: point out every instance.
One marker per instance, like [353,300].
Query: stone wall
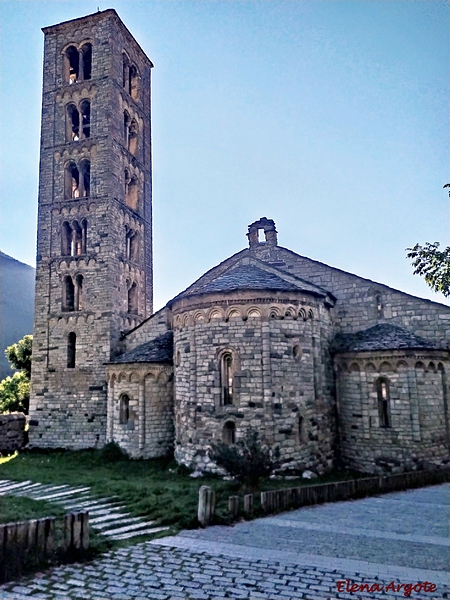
[12,432]
[418,432]
[148,430]
[157,324]
[282,378]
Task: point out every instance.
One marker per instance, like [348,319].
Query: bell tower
[94,242]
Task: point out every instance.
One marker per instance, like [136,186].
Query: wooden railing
[30,543]
[289,498]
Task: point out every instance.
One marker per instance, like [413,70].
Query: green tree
[19,355]
[15,393]
[433,265]
[15,390]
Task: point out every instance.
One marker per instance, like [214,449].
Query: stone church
[332,368]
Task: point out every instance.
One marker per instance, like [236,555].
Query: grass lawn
[157,488]
[11,506]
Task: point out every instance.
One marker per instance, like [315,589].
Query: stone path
[106,516]
[277,558]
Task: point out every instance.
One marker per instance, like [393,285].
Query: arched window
[124,409]
[71,350]
[72,123]
[379,305]
[85,108]
[297,352]
[68,294]
[73,238]
[133,82]
[133,137]
[226,378]
[131,191]
[78,289]
[86,60]
[229,433]
[126,77]
[72,65]
[131,245]
[383,402]
[66,239]
[76,246]
[71,181]
[85,170]
[126,125]
[133,299]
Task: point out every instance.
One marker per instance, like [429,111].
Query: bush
[112,452]
[247,460]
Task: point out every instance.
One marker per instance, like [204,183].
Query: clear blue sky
[331,117]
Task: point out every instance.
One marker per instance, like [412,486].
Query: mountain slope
[16,305]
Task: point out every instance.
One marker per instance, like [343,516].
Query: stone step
[84,497]
[120,521]
[38,489]
[126,536]
[62,494]
[127,528]
[103,502]
[104,511]
[10,486]
[28,489]
[109,517]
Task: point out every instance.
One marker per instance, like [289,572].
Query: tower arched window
[133,82]
[383,402]
[72,123]
[124,409]
[66,239]
[73,238]
[78,292]
[126,67]
[133,299]
[126,125]
[68,294]
[133,137]
[131,245]
[131,191]
[85,108]
[72,64]
[71,350]
[71,181]
[226,378]
[86,59]
[229,433]
[85,179]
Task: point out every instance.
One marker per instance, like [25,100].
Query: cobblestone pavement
[401,539]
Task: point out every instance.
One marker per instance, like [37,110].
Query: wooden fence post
[233,506]
[206,505]
[85,530]
[248,503]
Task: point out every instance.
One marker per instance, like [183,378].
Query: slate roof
[249,277]
[158,350]
[381,337]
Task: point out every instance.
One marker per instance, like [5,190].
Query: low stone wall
[12,432]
